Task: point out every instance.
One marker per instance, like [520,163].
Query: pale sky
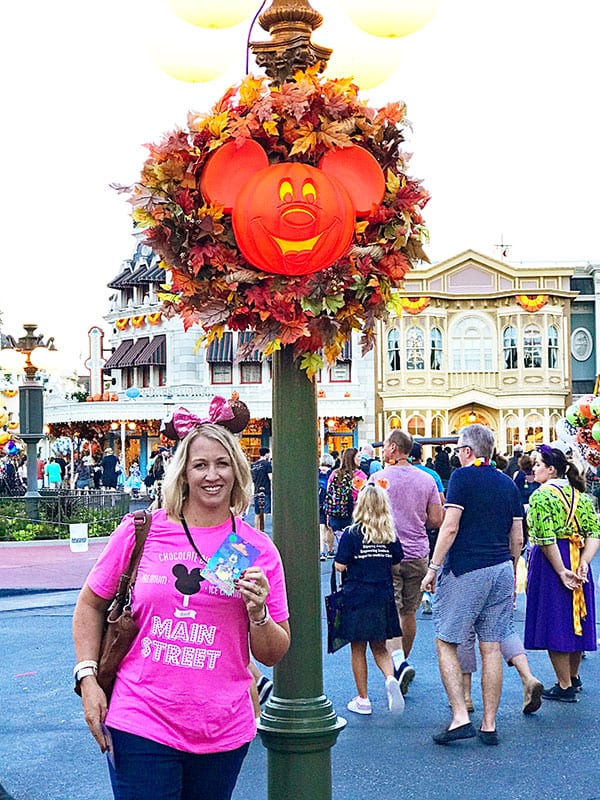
[502,95]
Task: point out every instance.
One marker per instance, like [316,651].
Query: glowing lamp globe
[391,18]
[209,14]
[356,54]
[189,53]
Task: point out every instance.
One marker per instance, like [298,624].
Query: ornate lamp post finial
[290,24]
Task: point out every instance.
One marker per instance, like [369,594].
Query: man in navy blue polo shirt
[479,540]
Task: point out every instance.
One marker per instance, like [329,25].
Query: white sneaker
[360,706]
[394,695]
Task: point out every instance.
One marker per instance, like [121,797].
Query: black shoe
[576,683]
[562,695]
[488,737]
[447,736]
[405,675]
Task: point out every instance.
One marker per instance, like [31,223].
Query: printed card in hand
[233,556]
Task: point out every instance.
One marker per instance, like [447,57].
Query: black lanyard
[193,543]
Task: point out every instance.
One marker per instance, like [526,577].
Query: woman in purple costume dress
[565,532]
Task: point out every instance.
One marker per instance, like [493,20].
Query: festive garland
[214,287]
[532,303]
[414,305]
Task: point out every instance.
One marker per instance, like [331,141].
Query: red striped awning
[116,359]
[131,356]
[220,351]
[154,354]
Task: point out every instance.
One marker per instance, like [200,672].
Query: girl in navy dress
[368,551]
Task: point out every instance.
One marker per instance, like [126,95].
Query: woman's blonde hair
[373,512]
[175,486]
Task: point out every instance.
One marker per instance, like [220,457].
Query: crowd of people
[187,694]
[101,471]
[462,521]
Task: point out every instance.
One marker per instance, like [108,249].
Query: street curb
[19,592]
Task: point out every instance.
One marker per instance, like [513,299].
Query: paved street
[46,752]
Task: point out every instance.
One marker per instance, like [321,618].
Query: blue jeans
[143,769]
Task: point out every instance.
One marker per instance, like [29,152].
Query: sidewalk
[45,565]
[549,754]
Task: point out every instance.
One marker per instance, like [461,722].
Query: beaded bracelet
[262,621]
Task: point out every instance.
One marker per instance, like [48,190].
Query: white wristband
[83,664]
[84,673]
[434,567]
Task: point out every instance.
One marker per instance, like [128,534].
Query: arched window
[532,347]
[513,432]
[509,343]
[393,342]
[437,427]
[415,348]
[534,431]
[552,347]
[416,426]
[472,345]
[435,356]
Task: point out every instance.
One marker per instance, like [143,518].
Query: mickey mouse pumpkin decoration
[291,218]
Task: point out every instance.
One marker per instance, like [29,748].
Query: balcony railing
[480,380]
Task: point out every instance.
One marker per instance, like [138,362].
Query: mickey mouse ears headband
[231,414]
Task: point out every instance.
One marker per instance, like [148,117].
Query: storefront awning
[243,338]
[346,354]
[154,354]
[221,350]
[116,359]
[131,357]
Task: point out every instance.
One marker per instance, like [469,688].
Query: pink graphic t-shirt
[185,681]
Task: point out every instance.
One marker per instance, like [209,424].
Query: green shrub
[56,513]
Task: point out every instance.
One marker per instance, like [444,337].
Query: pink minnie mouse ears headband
[231,414]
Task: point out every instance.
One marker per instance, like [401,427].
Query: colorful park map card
[232,557]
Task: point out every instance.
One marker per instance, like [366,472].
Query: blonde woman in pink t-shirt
[180,718]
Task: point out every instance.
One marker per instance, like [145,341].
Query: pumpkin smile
[296,245]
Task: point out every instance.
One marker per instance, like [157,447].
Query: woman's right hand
[570,579]
[94,711]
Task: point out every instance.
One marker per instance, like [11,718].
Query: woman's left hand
[582,571]
[254,588]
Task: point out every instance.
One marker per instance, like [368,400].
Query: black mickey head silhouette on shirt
[187,582]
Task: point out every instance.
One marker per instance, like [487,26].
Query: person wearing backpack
[342,490]
[325,533]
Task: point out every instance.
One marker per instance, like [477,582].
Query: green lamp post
[299,725]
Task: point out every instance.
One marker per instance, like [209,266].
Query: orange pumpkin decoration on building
[292,218]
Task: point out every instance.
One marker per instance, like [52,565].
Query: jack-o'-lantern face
[292,219]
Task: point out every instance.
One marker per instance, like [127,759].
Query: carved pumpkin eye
[309,192]
[286,192]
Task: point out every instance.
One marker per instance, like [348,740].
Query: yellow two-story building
[478,340]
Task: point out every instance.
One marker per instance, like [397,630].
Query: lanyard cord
[193,543]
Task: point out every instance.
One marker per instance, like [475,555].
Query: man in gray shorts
[480,539]
[415,503]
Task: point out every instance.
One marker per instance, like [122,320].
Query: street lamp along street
[28,354]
